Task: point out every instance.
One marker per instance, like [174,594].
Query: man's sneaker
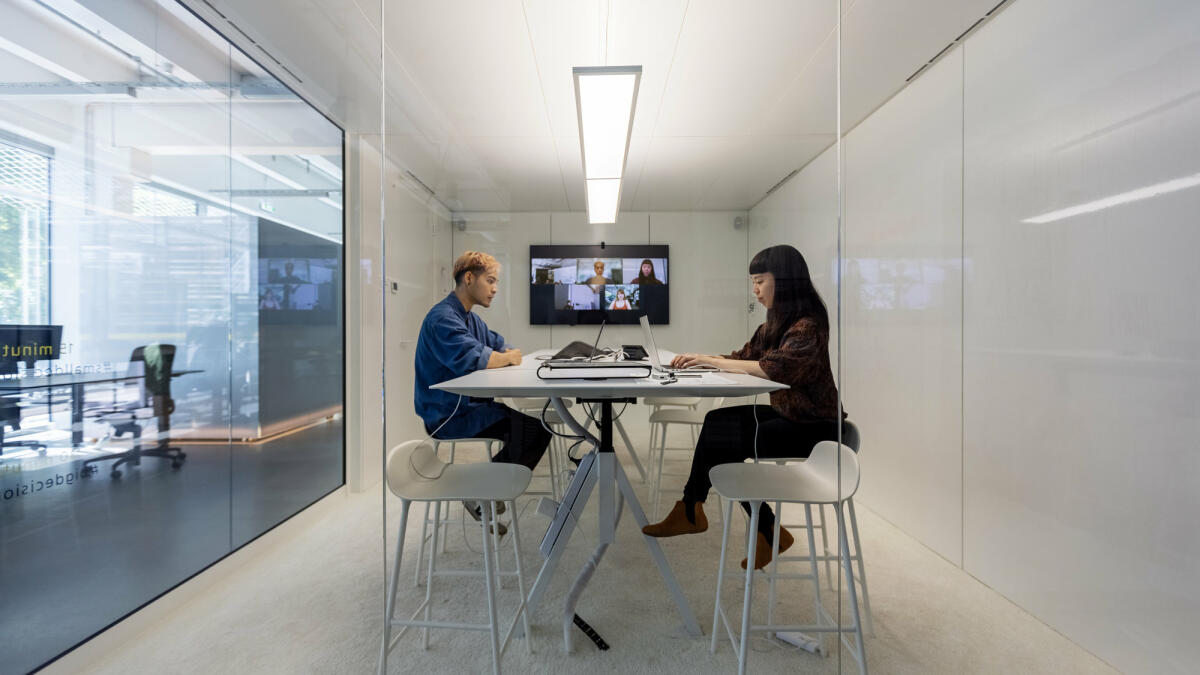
[476,512]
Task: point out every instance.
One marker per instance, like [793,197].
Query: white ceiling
[480,104]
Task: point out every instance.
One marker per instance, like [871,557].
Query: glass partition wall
[171,219]
[445,192]
[805,210]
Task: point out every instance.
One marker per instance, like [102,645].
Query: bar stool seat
[830,475]
[415,474]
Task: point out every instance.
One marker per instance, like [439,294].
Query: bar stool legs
[825,623]
[849,572]
[442,509]
[491,592]
[750,558]
[862,572]
[491,553]
[390,606]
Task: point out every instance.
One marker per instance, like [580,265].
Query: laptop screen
[649,338]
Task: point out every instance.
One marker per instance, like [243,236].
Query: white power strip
[802,641]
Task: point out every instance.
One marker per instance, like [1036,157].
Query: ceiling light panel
[605,100]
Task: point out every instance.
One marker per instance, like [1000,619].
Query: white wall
[418,240]
[1027,392]
[1080,375]
[418,246]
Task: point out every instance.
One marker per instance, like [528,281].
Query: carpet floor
[313,604]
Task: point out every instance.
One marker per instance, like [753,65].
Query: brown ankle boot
[676,522]
[762,550]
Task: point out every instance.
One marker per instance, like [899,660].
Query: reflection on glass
[170,302]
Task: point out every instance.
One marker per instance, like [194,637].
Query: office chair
[155,397]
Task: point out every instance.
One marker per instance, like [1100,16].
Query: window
[24,235]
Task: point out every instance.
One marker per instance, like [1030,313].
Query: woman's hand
[689,360]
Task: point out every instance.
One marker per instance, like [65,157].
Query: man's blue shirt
[452,343]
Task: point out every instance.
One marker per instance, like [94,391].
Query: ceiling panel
[663,187]
[473,62]
[524,171]
[733,59]
[749,169]
[568,34]
[481,102]
[878,57]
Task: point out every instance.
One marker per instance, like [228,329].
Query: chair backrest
[10,412]
[412,463]
[157,361]
[850,435]
[824,462]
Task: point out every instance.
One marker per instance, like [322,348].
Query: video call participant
[454,341]
[620,302]
[599,279]
[646,274]
[792,347]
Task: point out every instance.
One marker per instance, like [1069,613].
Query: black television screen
[582,284]
[297,287]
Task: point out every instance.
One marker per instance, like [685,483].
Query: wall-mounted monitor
[583,284]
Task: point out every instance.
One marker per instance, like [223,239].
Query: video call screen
[303,286]
[574,284]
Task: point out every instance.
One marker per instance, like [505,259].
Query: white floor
[314,605]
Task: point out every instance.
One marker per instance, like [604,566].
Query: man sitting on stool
[453,342]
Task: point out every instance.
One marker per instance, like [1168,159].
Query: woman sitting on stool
[792,348]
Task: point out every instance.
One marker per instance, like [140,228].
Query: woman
[646,274]
[792,347]
[620,302]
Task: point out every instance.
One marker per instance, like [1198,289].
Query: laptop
[581,350]
[653,350]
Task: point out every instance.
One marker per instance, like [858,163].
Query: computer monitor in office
[585,284]
[28,343]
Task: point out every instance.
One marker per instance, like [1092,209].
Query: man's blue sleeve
[496,341]
[458,350]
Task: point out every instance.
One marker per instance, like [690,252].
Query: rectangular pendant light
[605,98]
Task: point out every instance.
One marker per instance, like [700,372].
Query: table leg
[637,462]
[569,514]
[77,415]
[615,473]
[664,568]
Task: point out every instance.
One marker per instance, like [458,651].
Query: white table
[600,469]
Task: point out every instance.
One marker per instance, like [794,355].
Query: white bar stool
[660,422]
[415,474]
[852,438]
[814,481]
[658,403]
[438,518]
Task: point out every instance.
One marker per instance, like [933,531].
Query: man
[290,283]
[454,341]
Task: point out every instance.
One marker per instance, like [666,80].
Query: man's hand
[511,357]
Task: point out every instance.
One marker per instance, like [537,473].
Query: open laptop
[653,350]
[578,349]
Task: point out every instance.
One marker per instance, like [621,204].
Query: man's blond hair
[475,262]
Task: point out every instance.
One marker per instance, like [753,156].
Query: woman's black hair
[795,297]
[640,277]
